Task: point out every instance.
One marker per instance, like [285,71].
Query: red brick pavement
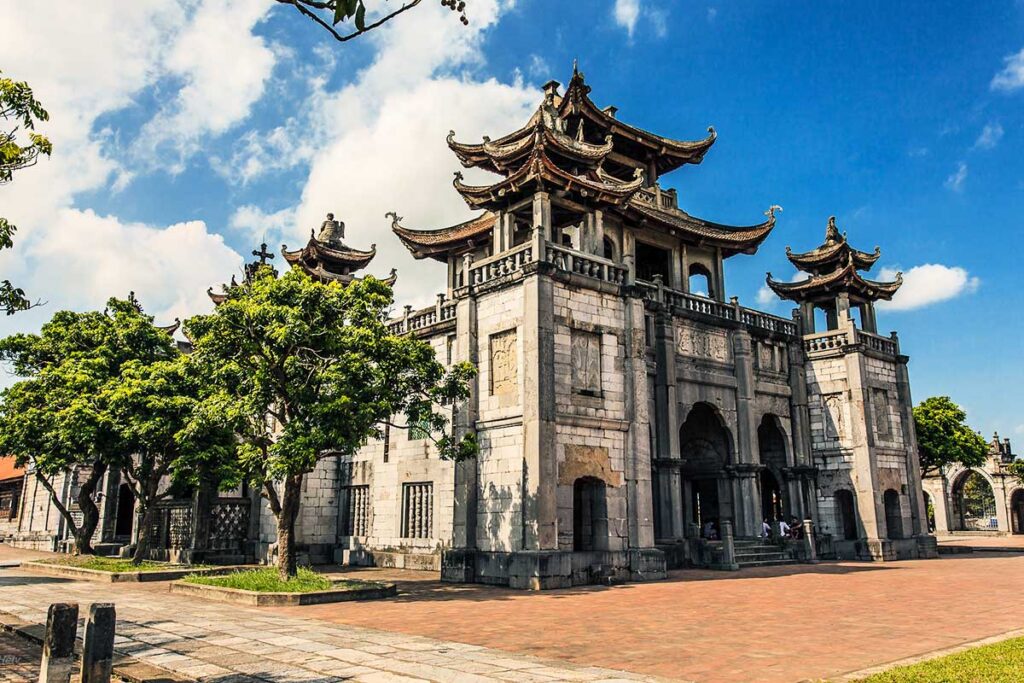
[767,624]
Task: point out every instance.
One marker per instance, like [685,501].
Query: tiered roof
[834,266]
[327,258]
[585,154]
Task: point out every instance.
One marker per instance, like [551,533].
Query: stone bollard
[98,645]
[728,547]
[59,643]
[810,551]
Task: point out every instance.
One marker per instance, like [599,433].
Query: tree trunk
[142,545]
[90,513]
[286,526]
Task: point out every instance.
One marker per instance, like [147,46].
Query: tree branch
[301,6]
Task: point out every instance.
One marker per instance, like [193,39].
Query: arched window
[589,514]
[700,280]
[609,249]
[893,514]
[846,511]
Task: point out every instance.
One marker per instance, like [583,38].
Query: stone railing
[501,264]
[589,265]
[716,309]
[412,321]
[826,341]
[658,198]
[886,345]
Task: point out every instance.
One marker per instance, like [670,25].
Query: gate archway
[1017,511]
[706,448]
[771,446]
[974,502]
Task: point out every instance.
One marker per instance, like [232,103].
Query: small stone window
[356,519]
[417,510]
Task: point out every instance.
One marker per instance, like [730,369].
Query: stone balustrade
[887,345]
[501,264]
[412,321]
[716,309]
[658,198]
[589,265]
[826,341]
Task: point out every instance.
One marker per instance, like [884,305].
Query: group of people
[781,529]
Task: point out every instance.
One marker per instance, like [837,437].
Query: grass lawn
[998,663]
[111,564]
[267,580]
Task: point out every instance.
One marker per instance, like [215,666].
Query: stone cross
[263,255]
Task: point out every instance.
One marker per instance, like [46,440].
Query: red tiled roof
[8,470]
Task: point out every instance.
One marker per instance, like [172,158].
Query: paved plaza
[787,623]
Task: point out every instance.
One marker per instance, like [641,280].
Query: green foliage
[303,370]
[996,663]
[269,581]
[1016,468]
[112,564]
[943,437]
[18,108]
[978,499]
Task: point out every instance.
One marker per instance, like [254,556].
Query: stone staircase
[755,553]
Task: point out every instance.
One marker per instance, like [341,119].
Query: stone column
[728,547]
[862,440]
[638,459]
[666,422]
[498,233]
[800,422]
[918,513]
[685,257]
[459,563]
[810,551]
[58,660]
[629,255]
[719,293]
[542,215]
[98,644]
[538,401]
[747,506]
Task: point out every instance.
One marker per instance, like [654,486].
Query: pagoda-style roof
[170,329]
[328,259]
[834,267]
[666,153]
[438,244]
[731,239]
[833,253]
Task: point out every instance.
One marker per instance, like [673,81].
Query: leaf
[361,17]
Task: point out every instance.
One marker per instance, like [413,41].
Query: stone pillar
[459,564]
[498,232]
[719,293]
[918,512]
[1002,504]
[542,215]
[58,660]
[629,255]
[98,644]
[685,257]
[202,510]
[728,547]
[538,401]
[666,424]
[747,505]
[865,461]
[800,422]
[638,457]
[807,317]
[810,551]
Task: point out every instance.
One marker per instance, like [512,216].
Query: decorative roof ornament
[326,257]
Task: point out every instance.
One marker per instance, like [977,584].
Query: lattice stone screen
[417,510]
[171,525]
[229,524]
[357,514]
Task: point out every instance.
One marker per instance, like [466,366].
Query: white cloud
[989,137]
[766,297]
[1012,76]
[712,13]
[224,68]
[626,13]
[261,226]
[538,67]
[101,55]
[928,284]
[955,180]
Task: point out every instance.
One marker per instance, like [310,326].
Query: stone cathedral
[630,418]
[626,411]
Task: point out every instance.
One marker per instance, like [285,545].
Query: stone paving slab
[19,659]
[231,644]
[771,624]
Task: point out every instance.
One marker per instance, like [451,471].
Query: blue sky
[185,133]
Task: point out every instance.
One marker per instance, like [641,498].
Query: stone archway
[846,510]
[1017,511]
[929,508]
[771,444]
[974,503]
[589,514]
[706,448]
[893,514]
[125,519]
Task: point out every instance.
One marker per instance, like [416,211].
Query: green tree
[56,418]
[328,14]
[1016,468]
[156,410]
[18,108]
[305,371]
[944,438]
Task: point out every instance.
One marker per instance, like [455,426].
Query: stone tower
[858,395]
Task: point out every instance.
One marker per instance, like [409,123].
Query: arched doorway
[589,514]
[929,509]
[771,444]
[125,512]
[893,514]
[847,513]
[1017,511]
[699,279]
[974,503]
[705,446]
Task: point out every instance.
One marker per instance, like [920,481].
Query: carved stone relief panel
[504,363]
[835,420]
[880,405]
[586,362]
[765,357]
[695,341]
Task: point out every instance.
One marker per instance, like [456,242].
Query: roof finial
[575,66]
[832,232]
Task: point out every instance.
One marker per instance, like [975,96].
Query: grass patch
[267,580]
[112,564]
[997,663]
